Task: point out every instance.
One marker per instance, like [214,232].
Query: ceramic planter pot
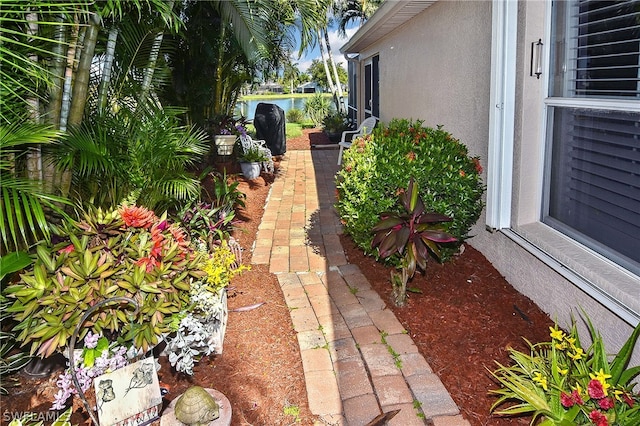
[250,170]
[224,144]
[333,136]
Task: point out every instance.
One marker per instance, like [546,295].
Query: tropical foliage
[88,91]
[209,223]
[10,359]
[375,170]
[127,252]
[316,108]
[319,74]
[565,384]
[348,11]
[25,201]
[46,77]
[411,235]
[144,152]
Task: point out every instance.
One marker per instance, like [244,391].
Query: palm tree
[319,24]
[243,37]
[23,82]
[139,152]
[347,11]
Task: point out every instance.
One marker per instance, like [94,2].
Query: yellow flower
[563,371]
[541,380]
[221,267]
[556,334]
[600,376]
[579,353]
[617,393]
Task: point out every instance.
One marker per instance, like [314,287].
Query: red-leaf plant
[413,235]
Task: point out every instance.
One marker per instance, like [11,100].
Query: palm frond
[22,208]
[249,20]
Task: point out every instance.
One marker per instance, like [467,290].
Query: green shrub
[295,115]
[316,108]
[335,122]
[377,167]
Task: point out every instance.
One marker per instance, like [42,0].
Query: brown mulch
[465,317]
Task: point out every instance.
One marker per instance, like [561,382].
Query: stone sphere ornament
[198,406]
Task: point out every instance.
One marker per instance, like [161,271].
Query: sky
[336,43]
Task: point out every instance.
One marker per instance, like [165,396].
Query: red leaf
[438,236]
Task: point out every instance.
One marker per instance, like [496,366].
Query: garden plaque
[129,396]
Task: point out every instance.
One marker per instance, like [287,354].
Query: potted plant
[334,124]
[126,252]
[200,330]
[226,131]
[253,158]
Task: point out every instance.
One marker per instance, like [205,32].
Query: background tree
[42,63]
[291,76]
[318,73]
[224,47]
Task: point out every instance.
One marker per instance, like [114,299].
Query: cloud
[305,62]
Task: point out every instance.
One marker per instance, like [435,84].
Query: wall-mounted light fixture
[536,58]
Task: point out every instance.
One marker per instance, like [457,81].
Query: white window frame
[501,114]
[614,287]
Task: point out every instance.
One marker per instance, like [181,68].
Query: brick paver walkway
[358,360]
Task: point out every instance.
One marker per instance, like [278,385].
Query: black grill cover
[269,121]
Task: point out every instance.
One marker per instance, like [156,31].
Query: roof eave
[390,15]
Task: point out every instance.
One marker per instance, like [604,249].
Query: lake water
[248,108]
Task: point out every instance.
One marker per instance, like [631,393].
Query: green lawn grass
[292,130]
[280,95]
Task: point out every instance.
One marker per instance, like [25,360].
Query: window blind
[595,183]
[605,49]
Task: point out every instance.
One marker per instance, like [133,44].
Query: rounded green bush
[378,167]
[295,115]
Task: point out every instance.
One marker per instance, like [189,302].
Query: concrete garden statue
[196,407]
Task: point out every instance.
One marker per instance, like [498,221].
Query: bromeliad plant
[126,252]
[412,235]
[208,223]
[565,384]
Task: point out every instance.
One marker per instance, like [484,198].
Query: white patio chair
[365,128]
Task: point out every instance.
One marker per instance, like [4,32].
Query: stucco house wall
[437,67]
[436,85]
